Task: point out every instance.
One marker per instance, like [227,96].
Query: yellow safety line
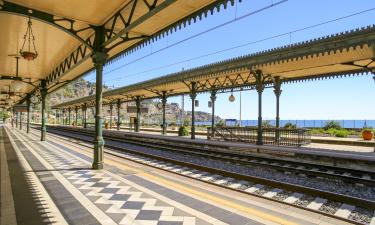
[210,197]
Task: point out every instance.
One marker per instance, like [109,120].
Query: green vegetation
[335,132]
[183,131]
[266,124]
[290,126]
[4,115]
[332,125]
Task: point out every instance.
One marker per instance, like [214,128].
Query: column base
[98,154]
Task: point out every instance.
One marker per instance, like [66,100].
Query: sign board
[133,109]
[20,108]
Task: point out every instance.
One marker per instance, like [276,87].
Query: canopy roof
[65,32]
[348,53]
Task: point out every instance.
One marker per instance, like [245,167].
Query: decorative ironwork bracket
[64,24]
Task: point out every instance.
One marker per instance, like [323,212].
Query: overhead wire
[237,46]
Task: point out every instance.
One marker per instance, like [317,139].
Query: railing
[273,136]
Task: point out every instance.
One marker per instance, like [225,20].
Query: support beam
[16,119]
[69,110]
[28,103]
[99,58]
[76,118]
[118,114]
[84,110]
[213,99]
[260,88]
[111,115]
[277,90]
[64,117]
[20,120]
[164,102]
[43,93]
[193,95]
[138,119]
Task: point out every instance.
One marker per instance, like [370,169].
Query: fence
[274,136]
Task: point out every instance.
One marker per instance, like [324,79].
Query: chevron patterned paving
[123,203]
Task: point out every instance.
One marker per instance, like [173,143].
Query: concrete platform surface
[52,182]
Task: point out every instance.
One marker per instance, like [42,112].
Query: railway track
[336,205]
[301,169]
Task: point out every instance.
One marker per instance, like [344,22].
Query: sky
[342,98]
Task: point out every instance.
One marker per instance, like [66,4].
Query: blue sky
[346,98]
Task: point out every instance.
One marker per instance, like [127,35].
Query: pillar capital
[213,95]
[259,80]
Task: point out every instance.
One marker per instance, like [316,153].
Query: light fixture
[196,103]
[231,97]
[29,42]
[209,104]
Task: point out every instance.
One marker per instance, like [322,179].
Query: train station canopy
[343,54]
[62,36]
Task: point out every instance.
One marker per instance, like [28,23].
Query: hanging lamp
[231,97]
[28,50]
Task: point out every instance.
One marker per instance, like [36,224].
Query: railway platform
[52,182]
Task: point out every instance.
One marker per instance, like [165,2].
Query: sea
[356,124]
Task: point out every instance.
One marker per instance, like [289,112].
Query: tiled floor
[67,191]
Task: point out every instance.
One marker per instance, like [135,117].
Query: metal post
[43,93]
[259,87]
[99,58]
[69,116]
[16,119]
[118,114]
[76,119]
[164,102]
[84,115]
[193,95]
[28,114]
[20,120]
[64,117]
[241,107]
[111,114]
[137,122]
[213,99]
[277,90]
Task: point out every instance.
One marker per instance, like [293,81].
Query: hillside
[81,88]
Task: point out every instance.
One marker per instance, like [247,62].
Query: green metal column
[16,119]
[193,95]
[118,114]
[99,58]
[138,105]
[84,111]
[213,99]
[28,103]
[69,110]
[111,115]
[43,93]
[64,117]
[164,102]
[260,88]
[76,118]
[277,90]
[20,120]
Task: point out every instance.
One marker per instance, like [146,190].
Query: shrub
[172,124]
[183,131]
[317,131]
[290,126]
[342,133]
[332,125]
[331,131]
[266,124]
